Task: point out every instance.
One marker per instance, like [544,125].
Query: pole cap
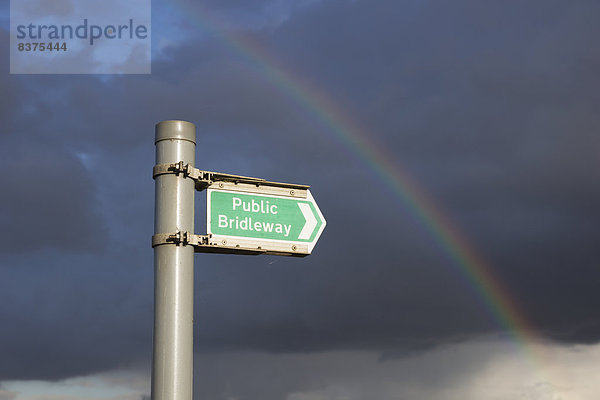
[175,129]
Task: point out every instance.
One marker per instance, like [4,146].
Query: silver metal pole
[172,360]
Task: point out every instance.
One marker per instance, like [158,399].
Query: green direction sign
[264,218]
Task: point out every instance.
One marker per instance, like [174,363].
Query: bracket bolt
[221,184]
[224,241]
[292,192]
[294,247]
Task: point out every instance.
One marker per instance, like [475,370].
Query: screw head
[292,192]
[224,241]
[221,184]
[294,247]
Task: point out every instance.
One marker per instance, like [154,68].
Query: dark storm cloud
[69,315]
[240,15]
[493,110]
[48,201]
[48,198]
[492,107]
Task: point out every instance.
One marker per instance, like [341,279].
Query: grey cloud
[457,371]
[6,395]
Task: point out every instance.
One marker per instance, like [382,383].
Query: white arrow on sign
[311,221]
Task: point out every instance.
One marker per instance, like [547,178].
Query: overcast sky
[492,108]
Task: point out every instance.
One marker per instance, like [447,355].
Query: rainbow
[349,132]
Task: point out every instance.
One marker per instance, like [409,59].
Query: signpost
[266,221]
[244,216]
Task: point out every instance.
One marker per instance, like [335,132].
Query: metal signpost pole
[245,215]
[172,361]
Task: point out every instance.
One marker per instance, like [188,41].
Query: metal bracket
[178,238]
[204,244]
[187,170]
[204,179]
